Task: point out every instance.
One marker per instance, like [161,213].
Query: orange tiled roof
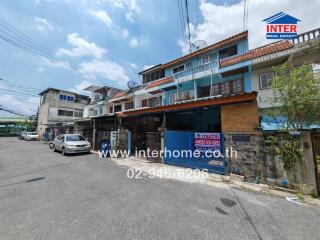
[219,44]
[119,94]
[258,52]
[160,82]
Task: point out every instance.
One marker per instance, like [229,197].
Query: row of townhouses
[222,88]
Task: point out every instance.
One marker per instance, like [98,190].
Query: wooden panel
[242,117]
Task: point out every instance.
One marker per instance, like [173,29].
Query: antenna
[133,84]
[198,44]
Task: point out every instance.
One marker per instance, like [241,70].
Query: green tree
[296,96]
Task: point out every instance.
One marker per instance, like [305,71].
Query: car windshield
[32,133]
[72,138]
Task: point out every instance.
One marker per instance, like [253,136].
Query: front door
[316,153]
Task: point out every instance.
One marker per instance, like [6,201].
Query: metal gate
[316,153]
[179,142]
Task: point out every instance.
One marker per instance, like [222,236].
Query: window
[228,52]
[155,101]
[128,105]
[149,77]
[111,109]
[66,98]
[178,69]
[78,114]
[225,88]
[144,103]
[117,108]
[74,138]
[172,98]
[237,86]
[215,90]
[65,113]
[204,91]
[206,59]
[188,65]
[266,80]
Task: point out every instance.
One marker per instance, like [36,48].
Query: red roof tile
[258,52]
[160,82]
[220,44]
[119,94]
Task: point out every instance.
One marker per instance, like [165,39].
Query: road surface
[44,195]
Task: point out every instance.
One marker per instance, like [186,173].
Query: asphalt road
[44,195]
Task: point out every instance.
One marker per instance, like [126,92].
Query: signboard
[207,141]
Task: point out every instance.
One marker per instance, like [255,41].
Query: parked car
[22,135]
[71,143]
[31,136]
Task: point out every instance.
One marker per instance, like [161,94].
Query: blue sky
[110,41]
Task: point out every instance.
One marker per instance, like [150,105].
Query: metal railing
[201,68]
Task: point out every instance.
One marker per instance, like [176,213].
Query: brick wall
[242,117]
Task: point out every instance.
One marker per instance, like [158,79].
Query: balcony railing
[198,69]
[307,36]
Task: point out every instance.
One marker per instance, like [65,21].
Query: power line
[22,41]
[14,91]
[181,17]
[188,24]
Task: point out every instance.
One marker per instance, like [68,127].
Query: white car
[71,143]
[31,136]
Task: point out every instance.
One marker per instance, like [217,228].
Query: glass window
[237,86]
[178,69]
[206,59]
[266,80]
[215,90]
[225,88]
[74,138]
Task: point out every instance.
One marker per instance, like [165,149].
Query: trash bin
[105,148]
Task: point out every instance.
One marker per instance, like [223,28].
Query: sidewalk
[216,180]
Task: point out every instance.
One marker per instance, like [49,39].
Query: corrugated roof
[210,101]
[160,82]
[258,52]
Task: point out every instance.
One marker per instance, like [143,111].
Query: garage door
[187,149]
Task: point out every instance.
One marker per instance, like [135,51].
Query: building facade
[58,109]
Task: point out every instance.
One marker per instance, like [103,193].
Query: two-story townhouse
[303,50]
[58,109]
[196,93]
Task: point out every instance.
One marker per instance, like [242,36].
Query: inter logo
[281,26]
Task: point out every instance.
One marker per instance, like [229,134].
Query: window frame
[260,80]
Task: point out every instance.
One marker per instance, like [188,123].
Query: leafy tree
[296,96]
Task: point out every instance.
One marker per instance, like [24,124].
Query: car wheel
[63,151]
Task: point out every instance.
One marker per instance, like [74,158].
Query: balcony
[197,72]
[307,36]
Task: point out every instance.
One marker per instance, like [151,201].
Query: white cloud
[40,69]
[78,88]
[81,48]
[27,106]
[43,25]
[133,65]
[134,43]
[102,16]
[104,69]
[147,67]
[125,33]
[57,64]
[222,21]
[131,7]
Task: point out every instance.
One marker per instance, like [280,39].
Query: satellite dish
[133,84]
[198,44]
